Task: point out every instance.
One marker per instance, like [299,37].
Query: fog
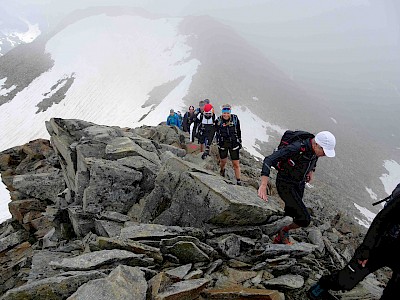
[345,52]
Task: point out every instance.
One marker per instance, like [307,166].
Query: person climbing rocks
[229,139]
[295,159]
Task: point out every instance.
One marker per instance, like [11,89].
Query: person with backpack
[173,119]
[188,119]
[380,248]
[229,138]
[295,160]
[205,129]
[200,109]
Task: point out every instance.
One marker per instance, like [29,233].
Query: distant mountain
[16,30]
[126,67]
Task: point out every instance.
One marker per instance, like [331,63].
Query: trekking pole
[380,201]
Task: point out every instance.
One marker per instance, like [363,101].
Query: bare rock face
[110,213]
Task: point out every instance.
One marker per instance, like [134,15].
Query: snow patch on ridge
[117,62]
[391,179]
[255,130]
[371,193]
[369,216]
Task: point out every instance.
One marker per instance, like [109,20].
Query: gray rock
[124,146]
[40,265]
[247,231]
[114,216]
[43,186]
[198,197]
[56,288]
[12,240]
[228,244]
[179,272]
[285,282]
[175,150]
[295,250]
[111,187]
[107,228]
[188,289]
[123,283]
[100,133]
[202,246]
[82,222]
[273,228]
[103,243]
[315,237]
[95,260]
[188,252]
[158,232]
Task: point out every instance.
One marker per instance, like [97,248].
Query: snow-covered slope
[12,38]
[115,63]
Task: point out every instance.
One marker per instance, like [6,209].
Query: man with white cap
[295,161]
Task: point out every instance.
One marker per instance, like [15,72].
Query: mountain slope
[126,67]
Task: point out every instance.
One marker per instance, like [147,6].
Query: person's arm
[388,215]
[272,160]
[239,132]
[168,120]
[262,190]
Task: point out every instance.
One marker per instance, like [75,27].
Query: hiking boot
[222,172]
[282,238]
[204,155]
[317,292]
[239,182]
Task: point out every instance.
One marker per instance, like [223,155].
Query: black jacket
[293,162]
[228,130]
[188,119]
[387,220]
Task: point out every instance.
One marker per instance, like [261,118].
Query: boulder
[123,283]
[98,259]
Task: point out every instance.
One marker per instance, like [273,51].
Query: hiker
[205,129]
[173,119]
[229,138]
[188,119]
[200,109]
[380,248]
[180,119]
[207,101]
[295,159]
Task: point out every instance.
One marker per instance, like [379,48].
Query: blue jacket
[174,120]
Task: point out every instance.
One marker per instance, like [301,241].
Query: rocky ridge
[118,213]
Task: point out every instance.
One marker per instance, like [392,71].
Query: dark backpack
[290,136]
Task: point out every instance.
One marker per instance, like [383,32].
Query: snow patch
[110,85]
[334,120]
[5,92]
[255,129]
[4,199]
[392,179]
[369,216]
[255,98]
[371,193]
[30,35]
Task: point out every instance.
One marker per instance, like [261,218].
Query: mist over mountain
[127,66]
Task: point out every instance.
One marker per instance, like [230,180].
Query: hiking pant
[292,194]
[386,255]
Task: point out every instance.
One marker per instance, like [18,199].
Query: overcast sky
[328,46]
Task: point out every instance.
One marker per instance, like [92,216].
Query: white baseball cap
[327,141]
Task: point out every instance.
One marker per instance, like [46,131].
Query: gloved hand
[362,253]
[239,141]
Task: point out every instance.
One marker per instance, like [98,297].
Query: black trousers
[386,255]
[292,194]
